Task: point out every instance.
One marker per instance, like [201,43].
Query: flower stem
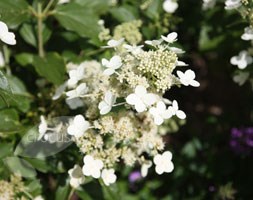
[40,31]
[48,7]
[71,193]
[119,104]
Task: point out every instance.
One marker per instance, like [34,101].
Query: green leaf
[19,97]
[97,6]
[207,43]
[6,149]
[123,14]
[94,190]
[62,192]
[79,19]
[20,166]
[153,10]
[28,34]
[17,86]
[9,120]
[83,194]
[20,102]
[14,12]
[40,165]
[51,67]
[24,59]
[4,84]
[34,187]
[46,33]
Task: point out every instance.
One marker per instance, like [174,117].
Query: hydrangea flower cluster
[124,107]
[15,189]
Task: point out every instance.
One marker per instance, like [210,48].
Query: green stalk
[40,17]
[48,7]
[71,193]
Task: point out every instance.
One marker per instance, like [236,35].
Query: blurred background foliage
[206,167]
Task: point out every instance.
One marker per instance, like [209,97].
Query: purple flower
[241,140]
[134,176]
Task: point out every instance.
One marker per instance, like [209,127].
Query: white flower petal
[180,114]
[132,99]
[170,6]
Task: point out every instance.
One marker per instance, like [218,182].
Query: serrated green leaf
[14,12]
[51,67]
[79,19]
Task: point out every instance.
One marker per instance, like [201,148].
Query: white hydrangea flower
[144,168]
[163,163]
[79,91]
[141,99]
[114,43]
[78,126]
[74,103]
[175,110]
[59,91]
[2,62]
[92,167]
[101,22]
[248,34]
[170,38]
[187,78]
[207,4]
[63,1]
[76,75]
[232,4]
[133,49]
[71,66]
[76,176]
[114,63]
[105,106]
[37,198]
[241,77]
[160,113]
[153,42]
[6,36]
[108,176]
[242,60]
[170,6]
[42,127]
